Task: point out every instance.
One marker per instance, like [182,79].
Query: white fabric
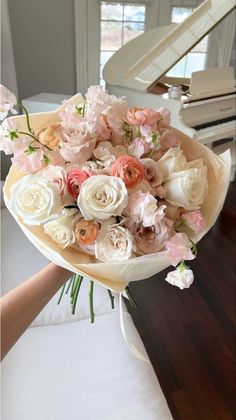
[20,259]
[79,371]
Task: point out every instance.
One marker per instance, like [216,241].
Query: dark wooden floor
[189,335]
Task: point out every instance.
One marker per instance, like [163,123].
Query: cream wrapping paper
[116,276]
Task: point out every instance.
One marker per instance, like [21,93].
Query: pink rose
[172,212]
[56,174]
[77,143]
[129,169]
[75,179]
[102,129]
[145,116]
[153,173]
[142,207]
[179,248]
[153,238]
[194,220]
[181,278]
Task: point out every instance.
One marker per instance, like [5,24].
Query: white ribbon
[130,345]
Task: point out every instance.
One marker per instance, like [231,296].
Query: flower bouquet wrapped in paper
[109,192]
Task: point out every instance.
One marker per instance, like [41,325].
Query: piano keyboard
[214,132]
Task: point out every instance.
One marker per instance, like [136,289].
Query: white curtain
[8,70]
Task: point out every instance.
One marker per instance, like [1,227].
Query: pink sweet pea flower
[179,248]
[102,129]
[29,163]
[165,117]
[142,207]
[7,102]
[139,147]
[194,220]
[182,278]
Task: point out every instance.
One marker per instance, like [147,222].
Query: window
[195,60]
[120,22]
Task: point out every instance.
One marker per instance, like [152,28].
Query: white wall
[44,45]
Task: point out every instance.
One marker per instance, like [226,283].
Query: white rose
[114,243]
[188,188]
[180,278]
[35,199]
[102,196]
[172,161]
[61,230]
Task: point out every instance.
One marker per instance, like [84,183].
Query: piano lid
[145,59]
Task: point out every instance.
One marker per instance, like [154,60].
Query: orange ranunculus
[47,136]
[129,169]
[86,231]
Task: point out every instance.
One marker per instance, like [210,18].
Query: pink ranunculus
[29,163]
[142,208]
[139,147]
[153,238]
[168,139]
[153,173]
[129,169]
[75,179]
[7,102]
[56,174]
[143,116]
[194,220]
[180,278]
[77,143]
[179,248]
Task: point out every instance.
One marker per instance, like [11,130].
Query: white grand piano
[203,107]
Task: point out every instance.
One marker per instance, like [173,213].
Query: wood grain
[190,334]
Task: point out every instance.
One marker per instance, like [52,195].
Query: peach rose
[75,179]
[129,169]
[86,231]
[48,136]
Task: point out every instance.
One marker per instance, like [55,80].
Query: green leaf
[30,149]
[12,135]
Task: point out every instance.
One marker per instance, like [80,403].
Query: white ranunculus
[187,188]
[172,161]
[180,278]
[102,196]
[35,199]
[114,243]
[61,230]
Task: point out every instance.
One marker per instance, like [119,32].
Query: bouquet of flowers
[110,192]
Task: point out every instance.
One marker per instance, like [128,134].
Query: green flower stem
[27,116]
[112,298]
[73,287]
[76,292]
[69,284]
[131,299]
[91,301]
[35,138]
[62,291]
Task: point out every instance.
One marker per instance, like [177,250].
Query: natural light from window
[120,22]
[195,60]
